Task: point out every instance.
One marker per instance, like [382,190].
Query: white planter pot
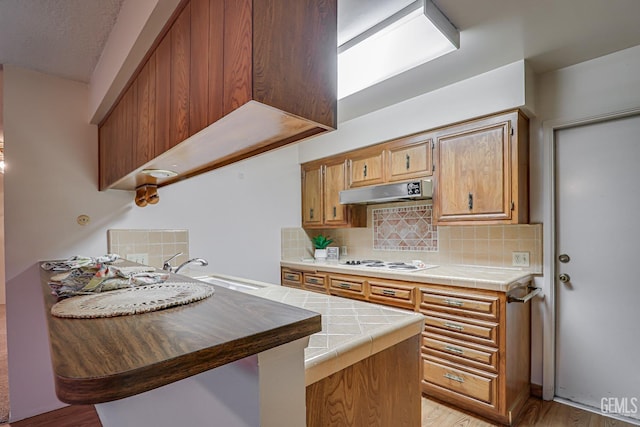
[320,255]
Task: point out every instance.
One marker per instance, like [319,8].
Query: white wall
[233,214]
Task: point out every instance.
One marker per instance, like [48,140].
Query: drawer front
[460,303]
[347,287]
[391,294]
[461,328]
[460,352]
[315,282]
[291,278]
[478,387]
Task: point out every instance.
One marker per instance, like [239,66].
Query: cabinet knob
[364,170]
[311,213]
[470,201]
[408,162]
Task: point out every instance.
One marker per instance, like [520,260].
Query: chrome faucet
[168,267]
[201,261]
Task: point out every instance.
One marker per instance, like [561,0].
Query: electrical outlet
[520,259]
[141,258]
[343,251]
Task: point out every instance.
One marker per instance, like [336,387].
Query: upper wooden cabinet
[366,167]
[225,80]
[321,208]
[397,160]
[482,171]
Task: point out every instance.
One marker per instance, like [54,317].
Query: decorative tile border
[407,228]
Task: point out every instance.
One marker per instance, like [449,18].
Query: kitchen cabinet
[475,350]
[366,167]
[210,90]
[482,171]
[321,208]
[410,160]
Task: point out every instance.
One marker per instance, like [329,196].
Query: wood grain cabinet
[410,158]
[366,167]
[475,350]
[211,90]
[482,171]
[321,208]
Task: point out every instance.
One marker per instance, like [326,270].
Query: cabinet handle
[312,281]
[455,350]
[334,212]
[470,201]
[453,303]
[389,292]
[344,285]
[290,277]
[408,161]
[365,170]
[454,377]
[311,213]
[453,326]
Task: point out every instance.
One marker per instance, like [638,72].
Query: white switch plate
[141,258]
[520,259]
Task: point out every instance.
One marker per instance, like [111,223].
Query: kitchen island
[156,367]
[234,358]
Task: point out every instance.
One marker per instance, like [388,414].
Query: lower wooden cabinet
[475,346]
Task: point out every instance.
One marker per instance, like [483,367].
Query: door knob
[564,278]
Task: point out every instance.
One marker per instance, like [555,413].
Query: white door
[598,227]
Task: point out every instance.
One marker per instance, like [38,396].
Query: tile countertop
[351,330]
[489,278]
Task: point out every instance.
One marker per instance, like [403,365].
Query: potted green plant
[320,243]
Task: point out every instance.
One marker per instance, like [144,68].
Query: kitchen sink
[231,284]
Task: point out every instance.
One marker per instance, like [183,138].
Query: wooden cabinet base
[382,390]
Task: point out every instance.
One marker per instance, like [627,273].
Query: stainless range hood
[400,191]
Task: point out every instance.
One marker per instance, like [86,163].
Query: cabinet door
[409,162]
[474,173]
[334,182]
[366,169]
[144,145]
[312,196]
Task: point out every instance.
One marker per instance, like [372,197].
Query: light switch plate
[141,258]
[520,259]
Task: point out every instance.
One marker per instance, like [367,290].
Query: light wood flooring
[536,413]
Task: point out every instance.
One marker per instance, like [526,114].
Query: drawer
[315,282]
[473,385]
[349,287]
[392,294]
[291,278]
[461,328]
[460,303]
[461,352]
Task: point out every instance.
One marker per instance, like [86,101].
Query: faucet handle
[167,266]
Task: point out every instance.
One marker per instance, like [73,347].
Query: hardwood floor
[536,413]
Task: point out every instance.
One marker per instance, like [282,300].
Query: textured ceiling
[59,37]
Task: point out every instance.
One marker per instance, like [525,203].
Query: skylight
[417,34]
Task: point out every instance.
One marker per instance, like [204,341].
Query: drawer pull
[344,285]
[290,277]
[453,303]
[454,377]
[453,326]
[389,292]
[312,281]
[455,350]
